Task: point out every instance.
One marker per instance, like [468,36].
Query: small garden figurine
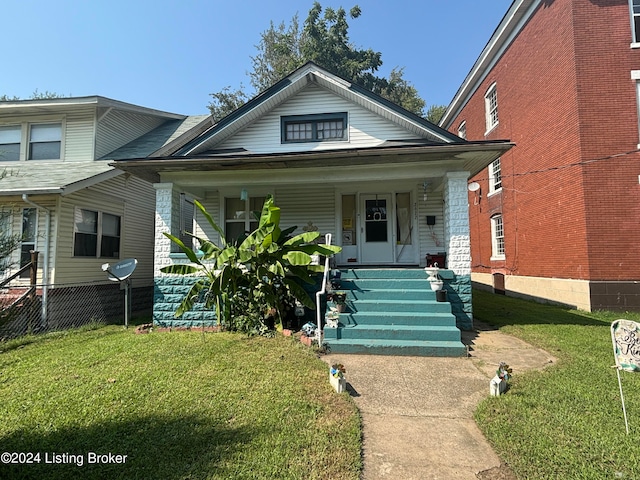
[336,377]
[498,384]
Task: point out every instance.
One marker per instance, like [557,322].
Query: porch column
[456,224]
[165,217]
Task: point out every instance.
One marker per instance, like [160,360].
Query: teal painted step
[421,284]
[399,347]
[396,332]
[380,305]
[400,294]
[416,319]
[389,273]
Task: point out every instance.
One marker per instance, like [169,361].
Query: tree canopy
[322,39]
[36,95]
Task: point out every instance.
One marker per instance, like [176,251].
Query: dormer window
[314,128]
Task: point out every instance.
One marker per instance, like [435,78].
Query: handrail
[17,274]
[322,291]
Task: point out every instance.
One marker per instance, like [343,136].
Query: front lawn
[565,422]
[178,405]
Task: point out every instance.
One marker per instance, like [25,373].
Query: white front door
[375,229]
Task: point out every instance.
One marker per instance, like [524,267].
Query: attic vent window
[314,128]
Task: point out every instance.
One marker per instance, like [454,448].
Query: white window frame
[16,129]
[247,218]
[495,176]
[462,130]
[57,139]
[634,12]
[25,137]
[491,107]
[313,126]
[99,233]
[497,238]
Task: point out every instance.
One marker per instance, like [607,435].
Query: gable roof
[310,73]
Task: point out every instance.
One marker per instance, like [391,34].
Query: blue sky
[171,54]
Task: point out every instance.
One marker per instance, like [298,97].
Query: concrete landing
[417,412]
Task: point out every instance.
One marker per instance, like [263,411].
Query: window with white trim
[497,238]
[31,141]
[241,216]
[634,6]
[314,128]
[96,234]
[491,107]
[462,130]
[495,176]
[45,140]
[10,136]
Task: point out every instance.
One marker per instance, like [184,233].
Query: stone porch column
[456,224]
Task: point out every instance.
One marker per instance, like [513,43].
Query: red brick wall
[565,97]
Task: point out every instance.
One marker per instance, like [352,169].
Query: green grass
[565,422]
[180,405]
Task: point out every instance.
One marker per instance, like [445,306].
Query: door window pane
[403,218]
[376,220]
[29,233]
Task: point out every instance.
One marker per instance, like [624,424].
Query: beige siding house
[64,198]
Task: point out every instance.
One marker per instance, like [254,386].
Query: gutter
[45,255]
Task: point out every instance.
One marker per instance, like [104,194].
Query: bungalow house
[390,188]
[556,217]
[62,197]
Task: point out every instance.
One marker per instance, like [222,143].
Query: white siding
[304,204]
[211,204]
[366,129]
[78,141]
[132,199]
[432,239]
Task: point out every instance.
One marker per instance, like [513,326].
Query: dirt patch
[503,472]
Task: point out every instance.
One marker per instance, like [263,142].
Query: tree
[324,39]
[250,279]
[36,95]
[435,113]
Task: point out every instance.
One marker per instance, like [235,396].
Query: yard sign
[625,336]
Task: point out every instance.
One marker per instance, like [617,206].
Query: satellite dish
[474,187]
[121,270]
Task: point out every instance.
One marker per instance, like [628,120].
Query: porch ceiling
[470,156]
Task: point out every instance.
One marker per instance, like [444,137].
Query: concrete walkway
[417,412]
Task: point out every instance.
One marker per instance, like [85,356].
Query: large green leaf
[210,220]
[180,269]
[306,237]
[191,297]
[296,257]
[227,255]
[190,253]
[300,293]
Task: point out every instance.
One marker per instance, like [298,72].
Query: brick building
[557,217]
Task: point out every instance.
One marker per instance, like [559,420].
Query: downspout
[45,254]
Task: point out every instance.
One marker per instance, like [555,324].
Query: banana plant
[250,274]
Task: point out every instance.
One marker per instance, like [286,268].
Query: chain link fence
[46,308]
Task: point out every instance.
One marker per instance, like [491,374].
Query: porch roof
[54,178]
[468,156]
